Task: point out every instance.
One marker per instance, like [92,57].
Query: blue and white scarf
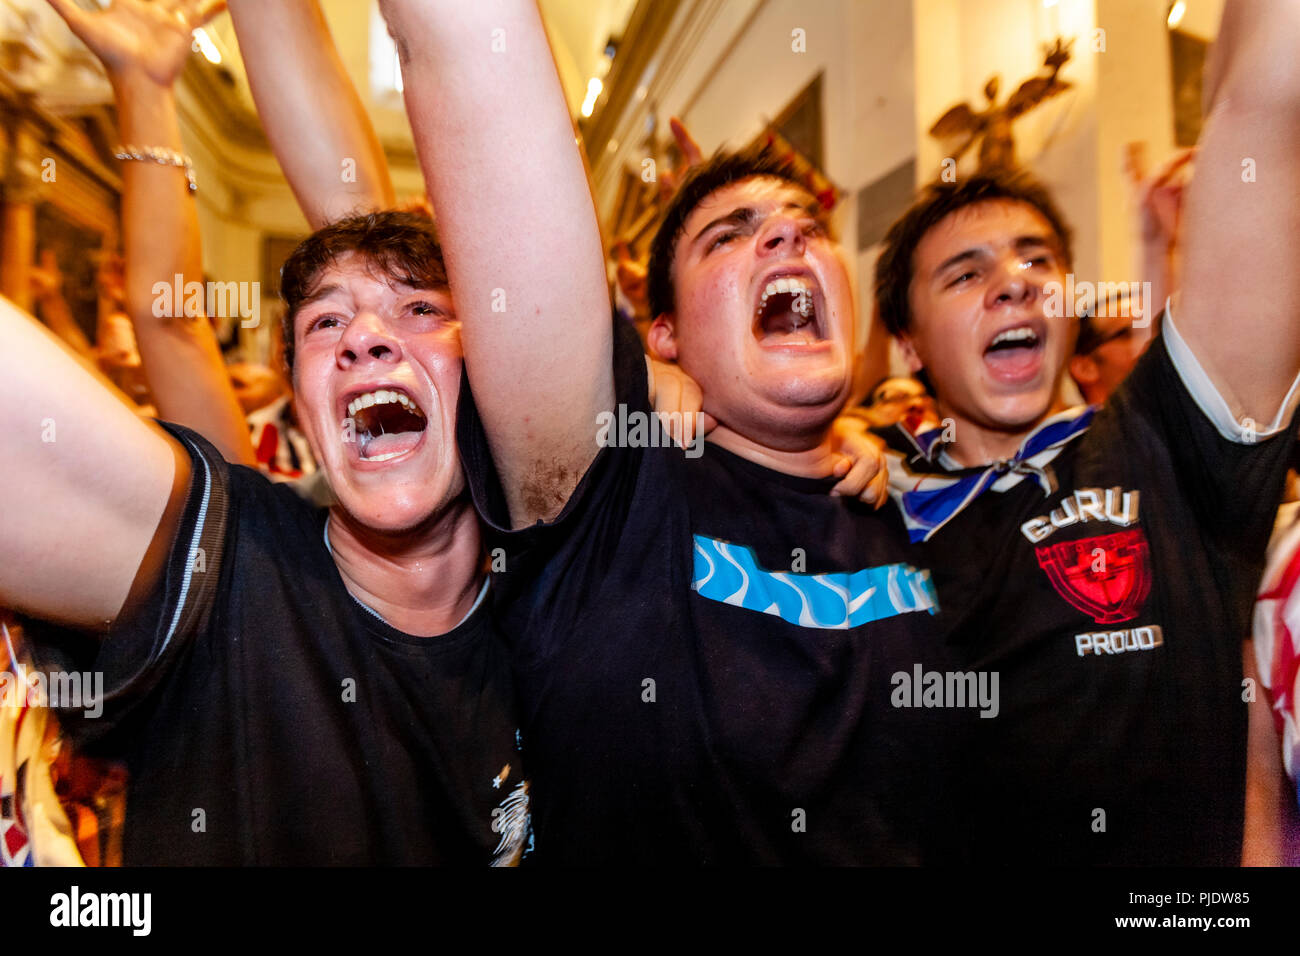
[928,501]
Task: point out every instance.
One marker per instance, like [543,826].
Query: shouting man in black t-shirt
[285,684]
[1104,560]
[705,643]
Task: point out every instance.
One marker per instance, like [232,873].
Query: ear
[1084,370]
[662,338]
[908,349]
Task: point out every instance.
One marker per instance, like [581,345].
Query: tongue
[789,326]
[786,322]
[1014,364]
[396,443]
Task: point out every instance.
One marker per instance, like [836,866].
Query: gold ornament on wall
[991,127]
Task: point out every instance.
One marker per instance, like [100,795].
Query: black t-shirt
[704,651]
[267,717]
[1114,610]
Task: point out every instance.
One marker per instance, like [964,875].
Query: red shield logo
[1106,578]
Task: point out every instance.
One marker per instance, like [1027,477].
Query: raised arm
[520,235]
[1241,223]
[143,47]
[311,112]
[85,483]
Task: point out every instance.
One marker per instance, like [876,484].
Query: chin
[388,517]
[390,505]
[1019,411]
[823,393]
[811,384]
[795,412]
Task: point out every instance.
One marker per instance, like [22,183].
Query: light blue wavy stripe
[729,573]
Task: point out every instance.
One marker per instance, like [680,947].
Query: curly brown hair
[402,246]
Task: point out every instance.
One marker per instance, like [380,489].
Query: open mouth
[789,313]
[1015,354]
[388,423]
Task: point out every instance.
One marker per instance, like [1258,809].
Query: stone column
[18,213]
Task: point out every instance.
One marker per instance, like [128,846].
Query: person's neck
[808,457]
[423,582]
[974,444]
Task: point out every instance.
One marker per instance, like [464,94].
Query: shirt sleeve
[1231,472]
[1212,405]
[143,645]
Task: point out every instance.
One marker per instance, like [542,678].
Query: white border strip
[194,546]
[1207,397]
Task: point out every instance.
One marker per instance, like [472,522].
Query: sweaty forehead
[762,193]
[354,276]
[995,223]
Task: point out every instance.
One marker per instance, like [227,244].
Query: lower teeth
[392,454]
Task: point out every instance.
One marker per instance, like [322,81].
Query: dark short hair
[401,246]
[896,265]
[723,169]
[1094,334]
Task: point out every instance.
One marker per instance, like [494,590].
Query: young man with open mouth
[1104,561]
[284,684]
[704,646]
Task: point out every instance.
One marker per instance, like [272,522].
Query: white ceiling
[578,30]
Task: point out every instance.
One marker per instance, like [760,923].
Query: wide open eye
[430,311]
[328,321]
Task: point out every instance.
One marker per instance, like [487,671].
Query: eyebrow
[315,296]
[324,292]
[1033,241]
[747,215]
[1021,244]
[744,216]
[960,258]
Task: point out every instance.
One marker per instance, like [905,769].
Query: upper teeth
[381,396]
[801,288]
[1014,335]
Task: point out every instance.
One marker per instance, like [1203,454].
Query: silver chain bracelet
[162,156]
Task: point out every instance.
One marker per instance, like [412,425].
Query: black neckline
[799,483]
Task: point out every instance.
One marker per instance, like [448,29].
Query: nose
[1015,284]
[780,235]
[367,339]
